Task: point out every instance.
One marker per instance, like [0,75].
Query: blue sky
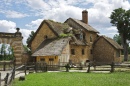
[28,14]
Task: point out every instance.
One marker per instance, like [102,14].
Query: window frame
[42,59]
[72,51]
[83,53]
[117,53]
[91,38]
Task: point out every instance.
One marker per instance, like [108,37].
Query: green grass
[75,79]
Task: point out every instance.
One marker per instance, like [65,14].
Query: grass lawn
[75,79]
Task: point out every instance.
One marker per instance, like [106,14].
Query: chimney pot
[85,16]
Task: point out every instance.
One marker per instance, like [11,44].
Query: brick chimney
[85,16]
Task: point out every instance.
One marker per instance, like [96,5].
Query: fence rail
[43,67]
[111,67]
[6,65]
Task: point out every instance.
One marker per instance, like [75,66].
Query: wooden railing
[6,65]
[111,67]
[6,81]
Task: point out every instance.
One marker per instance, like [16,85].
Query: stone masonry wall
[44,31]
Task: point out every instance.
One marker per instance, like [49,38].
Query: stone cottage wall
[103,51]
[40,36]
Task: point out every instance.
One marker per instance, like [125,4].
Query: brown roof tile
[57,27]
[111,41]
[84,25]
[51,47]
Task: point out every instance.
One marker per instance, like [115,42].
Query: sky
[28,14]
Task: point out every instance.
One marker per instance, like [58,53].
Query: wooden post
[88,68]
[14,64]
[6,79]
[46,67]
[112,67]
[4,64]
[35,66]
[25,69]
[67,67]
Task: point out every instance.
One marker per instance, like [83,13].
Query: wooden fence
[110,67]
[6,65]
[43,67]
[8,78]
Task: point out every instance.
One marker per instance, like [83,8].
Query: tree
[10,53]
[6,52]
[117,38]
[30,37]
[121,19]
[27,49]
[3,51]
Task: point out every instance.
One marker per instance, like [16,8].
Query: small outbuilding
[106,50]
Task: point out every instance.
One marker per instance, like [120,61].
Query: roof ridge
[83,25]
[112,42]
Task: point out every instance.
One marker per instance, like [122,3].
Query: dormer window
[81,36]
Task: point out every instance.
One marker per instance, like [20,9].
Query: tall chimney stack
[85,16]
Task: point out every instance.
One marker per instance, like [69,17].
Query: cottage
[74,40]
[106,50]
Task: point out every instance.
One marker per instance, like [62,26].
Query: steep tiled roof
[84,25]
[111,41]
[51,47]
[57,27]
[76,41]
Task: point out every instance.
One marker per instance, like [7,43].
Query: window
[91,51]
[91,40]
[42,59]
[72,51]
[51,59]
[45,37]
[82,51]
[81,36]
[118,53]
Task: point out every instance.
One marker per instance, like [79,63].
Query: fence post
[46,68]
[25,69]
[6,79]
[14,64]
[4,66]
[35,66]
[112,67]
[88,68]
[67,67]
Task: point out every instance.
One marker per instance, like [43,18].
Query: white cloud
[63,12]
[111,29]
[34,24]
[14,14]
[25,34]
[37,4]
[5,25]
